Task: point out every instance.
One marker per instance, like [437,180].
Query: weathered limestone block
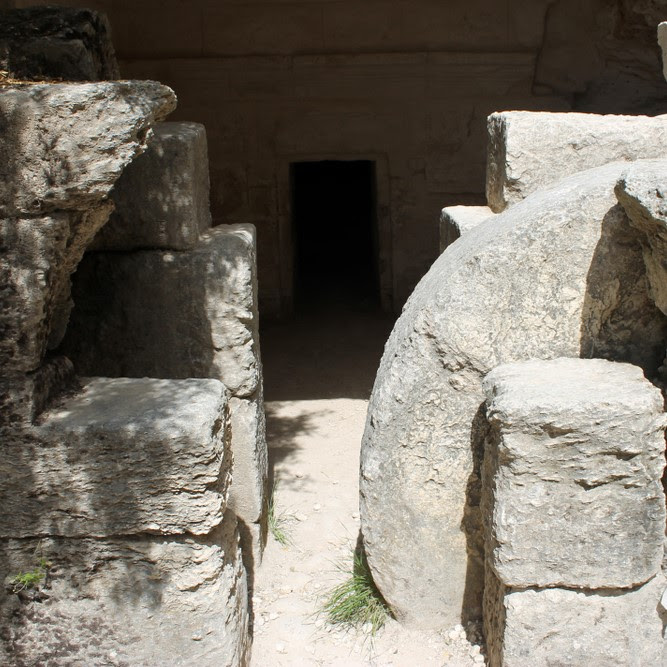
[250,474]
[571,476]
[641,191]
[63,146]
[555,626]
[125,456]
[144,598]
[455,221]
[528,151]
[558,275]
[170,314]
[39,43]
[162,197]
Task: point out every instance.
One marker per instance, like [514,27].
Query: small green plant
[277,521]
[357,603]
[31,579]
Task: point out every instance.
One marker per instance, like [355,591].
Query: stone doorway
[334,221]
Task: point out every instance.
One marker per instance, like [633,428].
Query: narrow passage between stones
[319,370]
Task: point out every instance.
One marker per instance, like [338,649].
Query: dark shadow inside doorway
[335,234]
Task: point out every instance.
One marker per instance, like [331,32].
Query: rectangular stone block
[162,196]
[250,472]
[171,314]
[144,597]
[555,626]
[124,456]
[528,151]
[455,221]
[572,494]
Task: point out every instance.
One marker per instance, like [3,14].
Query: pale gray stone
[171,314]
[557,275]
[250,473]
[559,627]
[162,197]
[528,151]
[455,221]
[64,146]
[641,191]
[143,597]
[125,456]
[38,43]
[572,495]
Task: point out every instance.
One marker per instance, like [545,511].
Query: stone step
[178,315]
[122,457]
[456,221]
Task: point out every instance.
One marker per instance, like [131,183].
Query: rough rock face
[528,151]
[642,191]
[592,627]
[557,275]
[162,198]
[164,438]
[63,146]
[62,149]
[602,55]
[128,601]
[56,43]
[455,221]
[575,455]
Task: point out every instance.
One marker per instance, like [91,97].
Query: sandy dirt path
[319,370]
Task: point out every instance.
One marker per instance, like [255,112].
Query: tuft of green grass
[357,603]
[277,521]
[31,579]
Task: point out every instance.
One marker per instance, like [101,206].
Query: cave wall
[408,84]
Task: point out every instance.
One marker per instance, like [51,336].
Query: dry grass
[357,603]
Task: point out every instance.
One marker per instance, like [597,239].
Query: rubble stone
[142,598]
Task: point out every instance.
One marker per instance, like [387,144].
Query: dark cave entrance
[334,218]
